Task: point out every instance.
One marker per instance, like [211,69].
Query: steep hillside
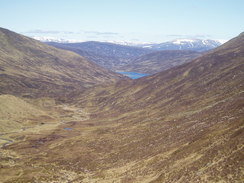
[29,67]
[159,61]
[107,55]
[181,125]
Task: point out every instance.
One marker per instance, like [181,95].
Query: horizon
[121,42]
[136,22]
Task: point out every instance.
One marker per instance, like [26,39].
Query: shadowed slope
[159,61]
[29,67]
[107,55]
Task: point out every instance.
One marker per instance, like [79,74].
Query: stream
[6,143]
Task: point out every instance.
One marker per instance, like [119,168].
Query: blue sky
[127,20]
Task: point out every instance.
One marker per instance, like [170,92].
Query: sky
[124,20]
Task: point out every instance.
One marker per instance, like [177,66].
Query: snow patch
[183,41]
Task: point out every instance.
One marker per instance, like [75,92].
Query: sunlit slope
[16,114]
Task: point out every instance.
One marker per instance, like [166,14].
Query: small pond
[67,128]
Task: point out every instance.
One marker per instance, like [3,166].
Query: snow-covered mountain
[130,43]
[185,44]
[56,40]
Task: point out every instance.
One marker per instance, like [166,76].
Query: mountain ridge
[107,55]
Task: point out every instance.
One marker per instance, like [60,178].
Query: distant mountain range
[177,44]
[135,58]
[107,55]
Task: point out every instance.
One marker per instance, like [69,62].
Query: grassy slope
[14,111]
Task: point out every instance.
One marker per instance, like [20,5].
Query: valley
[74,121]
[141,58]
